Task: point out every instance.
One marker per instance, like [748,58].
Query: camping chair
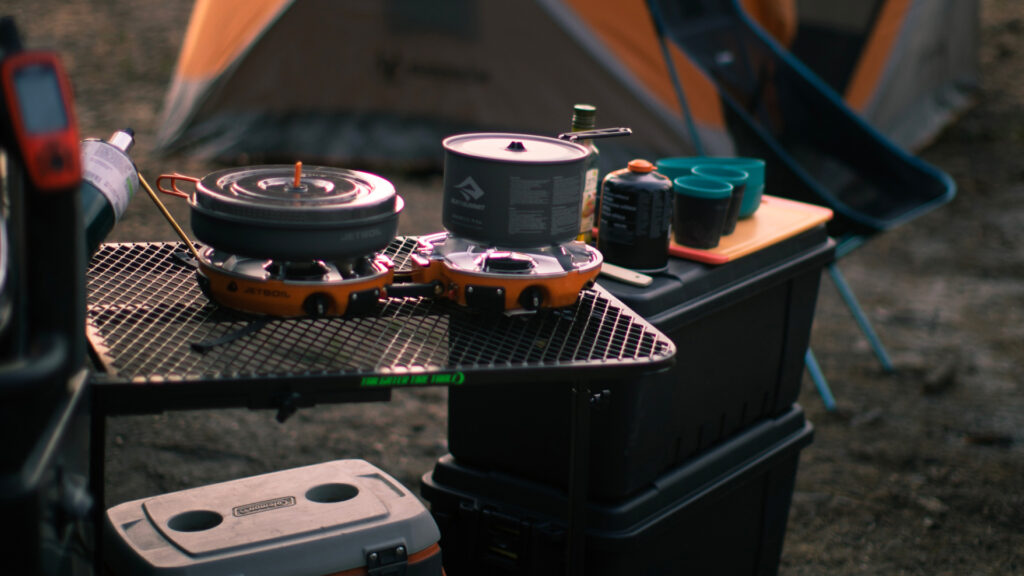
[817,149]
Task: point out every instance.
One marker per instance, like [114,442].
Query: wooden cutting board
[775,220]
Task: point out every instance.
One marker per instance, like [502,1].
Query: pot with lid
[293,213]
[514,190]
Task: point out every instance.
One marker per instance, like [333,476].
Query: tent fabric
[373,81]
[384,81]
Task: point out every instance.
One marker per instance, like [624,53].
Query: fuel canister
[109,179]
[636,215]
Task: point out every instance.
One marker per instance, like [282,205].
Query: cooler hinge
[387,561]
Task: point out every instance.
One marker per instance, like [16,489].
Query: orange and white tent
[372,82]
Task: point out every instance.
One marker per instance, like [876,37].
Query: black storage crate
[724,512]
[741,330]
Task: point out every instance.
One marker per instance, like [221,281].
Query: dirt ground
[918,472]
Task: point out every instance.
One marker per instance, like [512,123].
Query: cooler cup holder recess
[195,521]
[331,493]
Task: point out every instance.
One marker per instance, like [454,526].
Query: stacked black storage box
[691,470]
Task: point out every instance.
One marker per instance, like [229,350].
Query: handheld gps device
[38,104]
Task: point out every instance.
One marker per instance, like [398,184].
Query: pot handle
[163,209]
[173,191]
[594,134]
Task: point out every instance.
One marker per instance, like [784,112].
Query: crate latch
[387,561]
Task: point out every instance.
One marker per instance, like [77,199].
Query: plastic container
[315,520]
[636,217]
[741,330]
[722,513]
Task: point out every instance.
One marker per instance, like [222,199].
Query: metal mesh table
[163,345]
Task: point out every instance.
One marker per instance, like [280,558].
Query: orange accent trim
[412,559]
[866,75]
[627,29]
[219,31]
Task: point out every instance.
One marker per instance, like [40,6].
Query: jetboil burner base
[498,278]
[290,289]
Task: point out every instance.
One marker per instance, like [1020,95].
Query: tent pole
[659,26]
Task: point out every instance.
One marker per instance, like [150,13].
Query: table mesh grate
[149,321]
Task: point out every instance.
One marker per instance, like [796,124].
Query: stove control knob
[531,298]
[317,304]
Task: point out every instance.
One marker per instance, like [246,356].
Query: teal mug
[738,179]
[677,166]
[699,211]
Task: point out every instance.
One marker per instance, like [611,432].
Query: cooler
[341,517]
[741,329]
[724,512]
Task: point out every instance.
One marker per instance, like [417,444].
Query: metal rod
[167,215]
[818,377]
[858,314]
[659,27]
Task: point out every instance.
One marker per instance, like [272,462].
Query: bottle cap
[584,117]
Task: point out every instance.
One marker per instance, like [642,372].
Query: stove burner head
[502,262]
[500,278]
[291,289]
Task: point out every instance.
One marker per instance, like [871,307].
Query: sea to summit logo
[264,506]
[470,193]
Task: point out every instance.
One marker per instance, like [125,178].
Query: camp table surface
[160,344]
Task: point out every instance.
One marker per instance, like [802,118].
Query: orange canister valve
[640,166]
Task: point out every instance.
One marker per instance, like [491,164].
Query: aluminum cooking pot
[515,190]
[292,213]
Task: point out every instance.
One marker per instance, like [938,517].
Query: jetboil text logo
[470,193]
[263,506]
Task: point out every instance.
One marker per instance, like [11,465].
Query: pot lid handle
[593,134]
[515,146]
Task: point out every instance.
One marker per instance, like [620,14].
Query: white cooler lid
[311,520]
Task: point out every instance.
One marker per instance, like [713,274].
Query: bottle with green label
[584,117]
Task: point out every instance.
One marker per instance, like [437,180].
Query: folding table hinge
[387,561]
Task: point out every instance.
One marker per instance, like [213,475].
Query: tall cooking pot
[512,190]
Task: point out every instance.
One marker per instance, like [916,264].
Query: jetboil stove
[511,209]
[290,241]
[496,278]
